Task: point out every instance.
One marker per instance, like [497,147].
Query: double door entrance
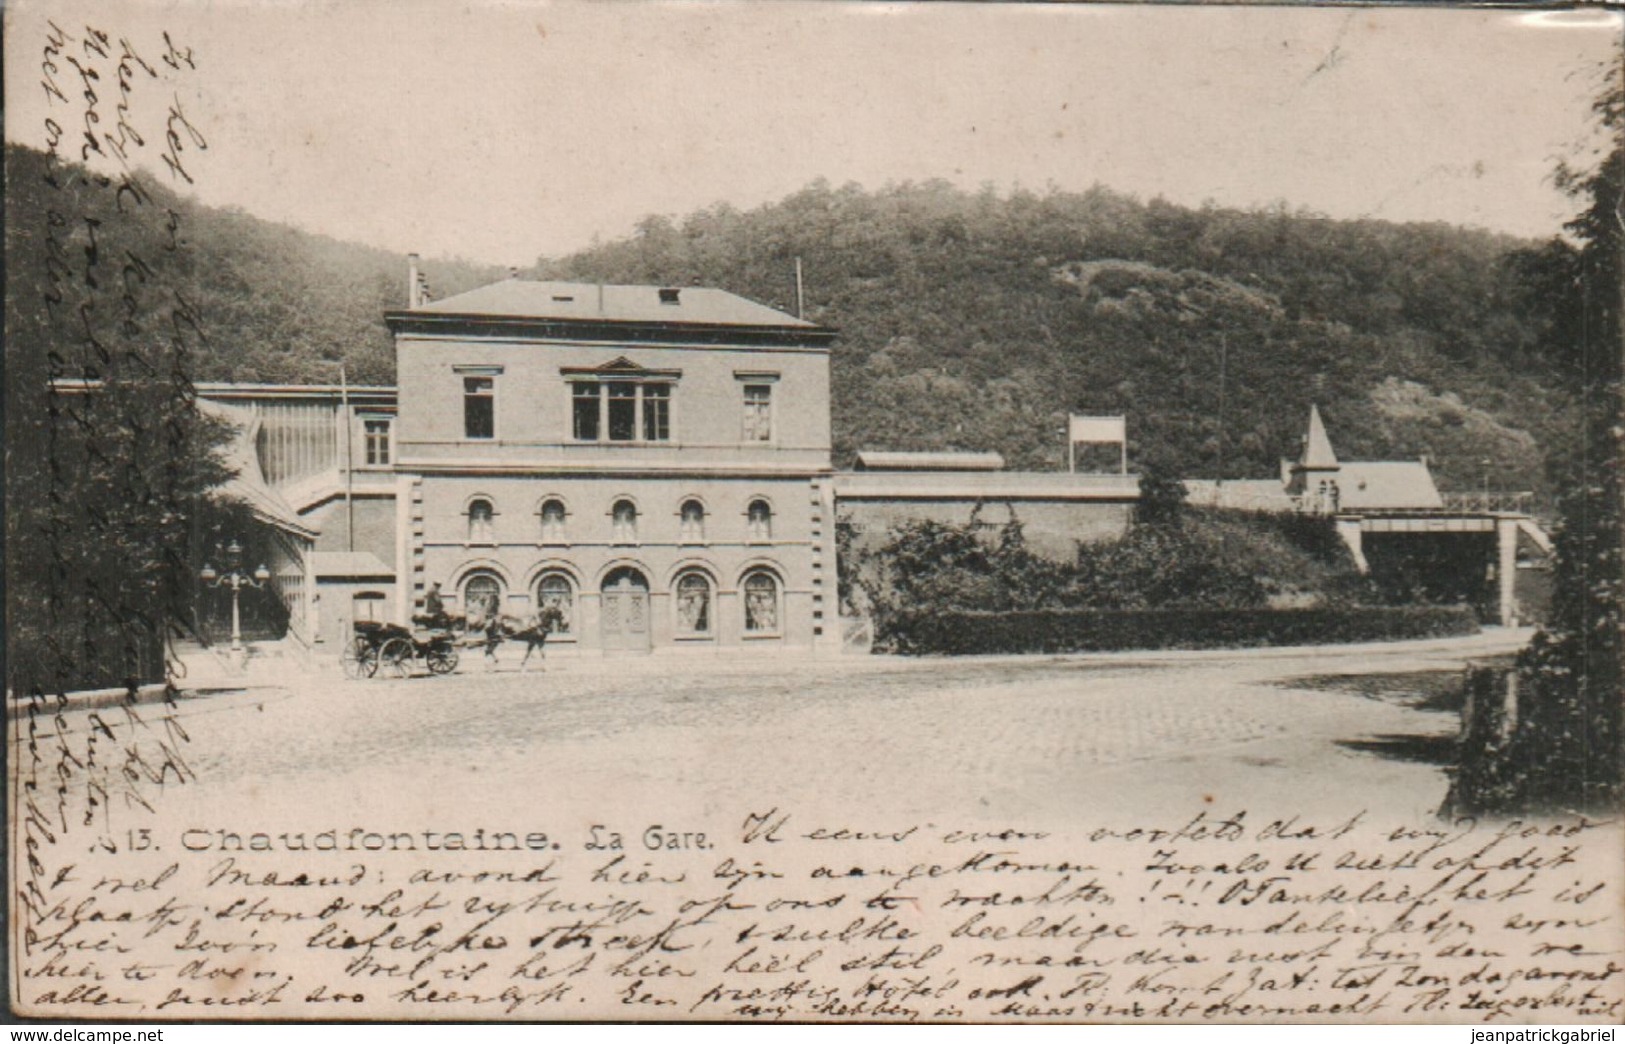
[624,611]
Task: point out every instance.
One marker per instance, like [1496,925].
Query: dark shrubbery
[1190,559]
[1087,630]
[1564,748]
[1194,578]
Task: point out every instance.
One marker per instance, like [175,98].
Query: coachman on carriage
[394,651]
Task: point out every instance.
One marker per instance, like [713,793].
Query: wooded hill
[278,304]
[978,320]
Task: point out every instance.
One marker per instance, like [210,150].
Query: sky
[504,131]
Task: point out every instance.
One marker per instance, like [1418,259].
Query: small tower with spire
[1313,478]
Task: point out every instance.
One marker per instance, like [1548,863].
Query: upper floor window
[480,518]
[656,412]
[584,409]
[692,519]
[624,518]
[758,413]
[479,408]
[621,411]
[759,520]
[376,438]
[553,521]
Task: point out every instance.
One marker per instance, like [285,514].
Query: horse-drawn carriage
[391,650]
[396,651]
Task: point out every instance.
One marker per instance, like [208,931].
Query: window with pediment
[621,402]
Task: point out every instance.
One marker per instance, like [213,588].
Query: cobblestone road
[994,738]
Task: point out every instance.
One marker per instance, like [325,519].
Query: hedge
[1083,630]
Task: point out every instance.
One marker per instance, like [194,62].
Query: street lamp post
[235,578]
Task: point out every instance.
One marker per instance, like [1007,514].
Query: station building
[654,462]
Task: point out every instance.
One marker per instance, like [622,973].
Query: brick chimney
[414,284]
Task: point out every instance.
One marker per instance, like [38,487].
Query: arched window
[625,517]
[554,591]
[760,520]
[761,603]
[553,521]
[367,605]
[693,603]
[692,529]
[482,595]
[480,516]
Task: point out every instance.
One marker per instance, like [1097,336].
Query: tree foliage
[1565,750]
[1570,741]
[282,304]
[104,488]
[978,321]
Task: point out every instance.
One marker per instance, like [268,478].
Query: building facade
[654,462]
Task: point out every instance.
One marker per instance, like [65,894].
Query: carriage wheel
[359,659]
[441,657]
[395,658]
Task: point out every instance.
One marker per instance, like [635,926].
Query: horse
[486,619]
[533,631]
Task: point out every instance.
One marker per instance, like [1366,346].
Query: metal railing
[1484,502]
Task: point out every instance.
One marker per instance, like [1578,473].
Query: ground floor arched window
[482,594]
[555,591]
[762,608]
[694,603]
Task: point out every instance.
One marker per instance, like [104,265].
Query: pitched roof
[529,299]
[1372,485]
[1317,447]
[327,564]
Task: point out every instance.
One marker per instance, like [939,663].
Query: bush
[1199,559]
[923,632]
[1532,741]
